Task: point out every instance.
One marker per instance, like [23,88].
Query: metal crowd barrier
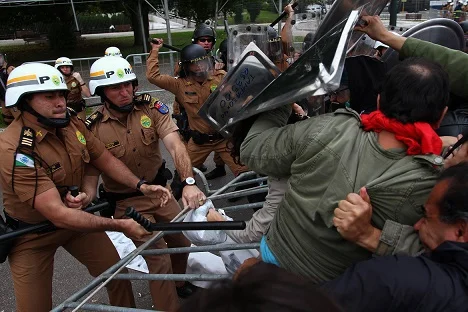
[76,302]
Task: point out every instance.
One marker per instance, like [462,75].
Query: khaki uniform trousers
[163,293]
[216,157]
[199,153]
[32,260]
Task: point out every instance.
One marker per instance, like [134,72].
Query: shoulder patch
[93,118]
[143,99]
[160,106]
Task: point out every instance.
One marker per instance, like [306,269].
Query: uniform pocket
[150,141]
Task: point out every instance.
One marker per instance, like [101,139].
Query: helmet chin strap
[121,109]
[49,122]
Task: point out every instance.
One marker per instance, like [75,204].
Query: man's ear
[462,228]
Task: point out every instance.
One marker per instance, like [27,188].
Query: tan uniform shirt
[63,153]
[135,143]
[74,83]
[191,94]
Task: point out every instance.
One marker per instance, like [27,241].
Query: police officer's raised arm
[153,73]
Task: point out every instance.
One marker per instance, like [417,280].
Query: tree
[253,7]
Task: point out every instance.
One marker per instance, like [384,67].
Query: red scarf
[420,137]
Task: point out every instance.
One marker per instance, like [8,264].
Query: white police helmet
[112,51]
[110,70]
[32,78]
[63,61]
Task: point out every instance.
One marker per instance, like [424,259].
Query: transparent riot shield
[304,30]
[253,72]
[316,72]
[240,36]
[442,31]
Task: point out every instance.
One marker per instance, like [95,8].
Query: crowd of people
[365,211]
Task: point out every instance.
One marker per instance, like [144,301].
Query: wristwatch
[188,181]
[140,183]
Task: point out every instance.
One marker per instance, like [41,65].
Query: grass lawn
[90,47]
[262,18]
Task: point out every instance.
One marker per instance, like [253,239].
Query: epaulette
[72,111]
[27,138]
[93,118]
[143,99]
[160,106]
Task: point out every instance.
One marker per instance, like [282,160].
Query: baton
[182,226]
[279,18]
[457,144]
[155,41]
[46,225]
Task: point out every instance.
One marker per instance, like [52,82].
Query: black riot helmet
[204,30]
[308,41]
[275,46]
[194,54]
[222,53]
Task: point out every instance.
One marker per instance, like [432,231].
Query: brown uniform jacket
[62,155]
[136,143]
[191,94]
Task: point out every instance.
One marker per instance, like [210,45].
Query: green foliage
[238,14]
[253,7]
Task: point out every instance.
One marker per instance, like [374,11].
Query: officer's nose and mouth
[121,94]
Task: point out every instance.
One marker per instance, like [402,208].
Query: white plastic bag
[203,237]
[124,246]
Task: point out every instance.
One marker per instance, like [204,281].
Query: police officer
[5,69]
[44,151]
[75,84]
[192,88]
[204,36]
[131,127]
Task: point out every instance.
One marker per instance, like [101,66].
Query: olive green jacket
[328,157]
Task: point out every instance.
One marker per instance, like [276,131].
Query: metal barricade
[113,272]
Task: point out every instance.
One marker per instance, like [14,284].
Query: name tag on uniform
[190,93]
[54,168]
[111,145]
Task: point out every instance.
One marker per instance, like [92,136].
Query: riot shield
[316,72]
[340,11]
[253,72]
[304,30]
[240,36]
[442,31]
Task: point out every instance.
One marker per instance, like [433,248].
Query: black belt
[18,224]
[203,138]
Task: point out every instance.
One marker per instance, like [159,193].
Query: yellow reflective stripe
[22,78]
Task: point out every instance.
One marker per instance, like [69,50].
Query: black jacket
[436,281]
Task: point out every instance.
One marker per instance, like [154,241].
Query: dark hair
[415,90]
[263,287]
[239,132]
[453,206]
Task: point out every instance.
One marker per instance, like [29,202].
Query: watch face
[190,181]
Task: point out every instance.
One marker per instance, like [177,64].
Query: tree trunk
[138,40]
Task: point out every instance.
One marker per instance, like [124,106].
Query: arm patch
[160,106]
